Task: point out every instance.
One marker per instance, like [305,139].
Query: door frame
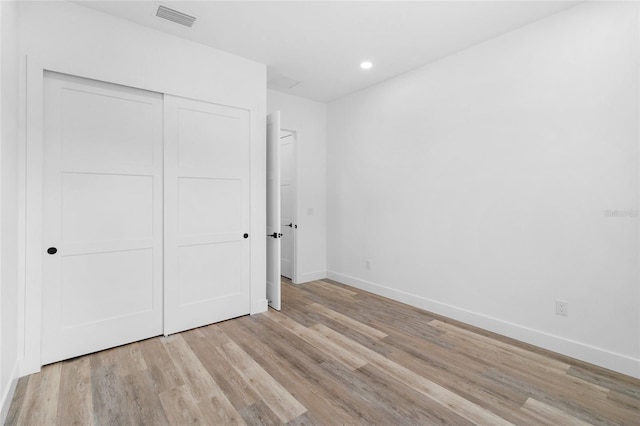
[30,195]
[31,212]
[294,201]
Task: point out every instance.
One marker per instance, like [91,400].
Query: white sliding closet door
[207,253]
[102,255]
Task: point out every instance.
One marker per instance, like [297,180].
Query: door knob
[52,250]
[246,235]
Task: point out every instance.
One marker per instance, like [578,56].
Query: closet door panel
[102,227]
[207,171]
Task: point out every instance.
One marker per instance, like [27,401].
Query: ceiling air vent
[282,82]
[175,16]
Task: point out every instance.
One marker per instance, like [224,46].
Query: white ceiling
[322,43]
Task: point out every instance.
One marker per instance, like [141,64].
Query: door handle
[52,250]
[275,235]
[290,225]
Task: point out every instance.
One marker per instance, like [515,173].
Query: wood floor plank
[297,366]
[303,315]
[129,359]
[201,384]
[217,410]
[239,393]
[180,407]
[326,292]
[110,404]
[329,399]
[202,387]
[75,403]
[366,396]
[16,403]
[281,402]
[348,321]
[292,296]
[332,355]
[145,407]
[385,318]
[624,400]
[400,402]
[40,405]
[259,413]
[214,336]
[615,382]
[508,350]
[306,419]
[337,288]
[347,358]
[430,389]
[591,410]
[376,345]
[124,359]
[445,357]
[547,377]
[493,396]
[163,371]
[550,415]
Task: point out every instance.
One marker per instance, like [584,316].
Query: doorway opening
[288,217]
[281,208]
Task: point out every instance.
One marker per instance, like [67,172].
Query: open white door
[273,210]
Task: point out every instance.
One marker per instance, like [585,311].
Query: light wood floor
[333,355]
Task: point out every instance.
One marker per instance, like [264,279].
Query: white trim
[617,362]
[638,179]
[33,213]
[7,397]
[22,204]
[311,276]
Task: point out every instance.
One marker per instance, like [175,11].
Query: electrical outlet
[562,308]
[367,264]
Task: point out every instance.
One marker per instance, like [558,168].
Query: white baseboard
[7,395]
[601,357]
[259,306]
[311,276]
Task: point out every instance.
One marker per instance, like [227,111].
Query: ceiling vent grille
[282,82]
[175,16]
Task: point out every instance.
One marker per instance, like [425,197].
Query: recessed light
[366,65]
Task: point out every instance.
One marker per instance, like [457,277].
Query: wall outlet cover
[562,308]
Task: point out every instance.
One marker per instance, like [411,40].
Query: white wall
[309,120]
[8,203]
[478,186]
[70,38]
